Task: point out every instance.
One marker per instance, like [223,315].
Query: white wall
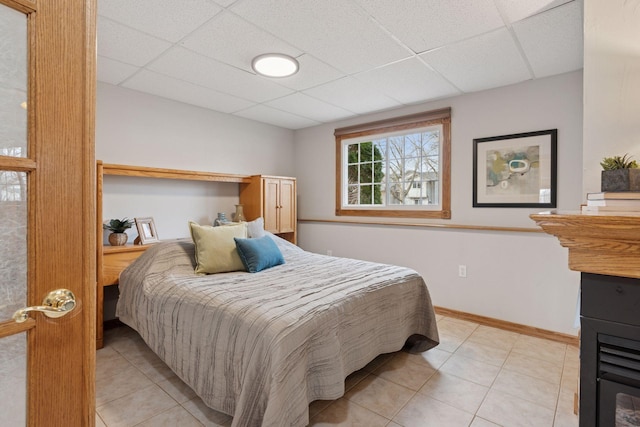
[611,84]
[145,130]
[517,277]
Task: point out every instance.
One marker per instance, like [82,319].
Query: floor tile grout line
[502,367]
[152,382]
[156,414]
[129,394]
[140,370]
[529,376]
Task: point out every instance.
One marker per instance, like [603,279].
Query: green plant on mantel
[118,225]
[617,162]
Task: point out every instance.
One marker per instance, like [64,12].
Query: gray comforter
[262,346]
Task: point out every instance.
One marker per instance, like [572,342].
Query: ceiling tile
[313,72]
[192,67]
[434,23]
[352,95]
[225,3]
[126,45]
[552,41]
[168,87]
[408,82]
[336,31]
[167,19]
[114,72]
[232,40]
[265,114]
[309,107]
[484,62]
[516,10]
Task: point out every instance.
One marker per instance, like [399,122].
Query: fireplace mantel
[606,243]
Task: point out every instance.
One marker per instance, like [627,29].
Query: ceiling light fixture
[275,65]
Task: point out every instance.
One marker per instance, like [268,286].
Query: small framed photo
[515,171]
[146,230]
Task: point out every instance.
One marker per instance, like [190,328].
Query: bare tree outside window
[413,163]
[396,167]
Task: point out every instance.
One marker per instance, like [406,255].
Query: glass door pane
[13,212]
[13,371]
[13,243]
[13,83]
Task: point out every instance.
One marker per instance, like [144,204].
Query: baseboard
[509,326]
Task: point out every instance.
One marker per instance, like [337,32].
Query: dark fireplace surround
[609,351]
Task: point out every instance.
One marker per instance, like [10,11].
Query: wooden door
[47,209]
[271,202]
[287,206]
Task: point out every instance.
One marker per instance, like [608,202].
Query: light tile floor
[478,376]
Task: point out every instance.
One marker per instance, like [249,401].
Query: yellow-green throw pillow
[215,248]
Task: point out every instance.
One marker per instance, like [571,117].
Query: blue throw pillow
[258,254]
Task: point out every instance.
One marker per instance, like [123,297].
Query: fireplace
[609,351]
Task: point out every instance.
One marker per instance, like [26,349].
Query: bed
[262,346]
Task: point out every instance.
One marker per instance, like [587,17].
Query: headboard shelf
[151,172]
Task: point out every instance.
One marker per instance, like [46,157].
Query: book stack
[627,201]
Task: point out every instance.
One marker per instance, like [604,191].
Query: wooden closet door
[47,211]
[271,203]
[287,208]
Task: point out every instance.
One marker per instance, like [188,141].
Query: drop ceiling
[356,56]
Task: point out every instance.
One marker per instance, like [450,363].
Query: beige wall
[611,84]
[517,277]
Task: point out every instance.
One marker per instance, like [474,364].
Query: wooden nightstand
[114,260]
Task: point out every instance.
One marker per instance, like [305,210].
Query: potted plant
[118,236]
[620,174]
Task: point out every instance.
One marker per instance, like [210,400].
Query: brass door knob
[56,304]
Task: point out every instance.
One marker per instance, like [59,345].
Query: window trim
[413,121]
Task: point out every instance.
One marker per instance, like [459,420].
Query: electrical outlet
[329,252]
[462,270]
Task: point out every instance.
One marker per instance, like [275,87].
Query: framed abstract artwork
[515,171]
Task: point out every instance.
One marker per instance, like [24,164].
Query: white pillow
[255,228]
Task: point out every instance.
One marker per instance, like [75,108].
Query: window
[398,167]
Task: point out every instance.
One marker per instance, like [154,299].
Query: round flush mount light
[275,65]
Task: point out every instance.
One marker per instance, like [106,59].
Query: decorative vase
[239,216]
[620,180]
[221,220]
[118,239]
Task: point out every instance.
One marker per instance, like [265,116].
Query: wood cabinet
[274,199]
[112,260]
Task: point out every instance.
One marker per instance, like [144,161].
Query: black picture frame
[516,171]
